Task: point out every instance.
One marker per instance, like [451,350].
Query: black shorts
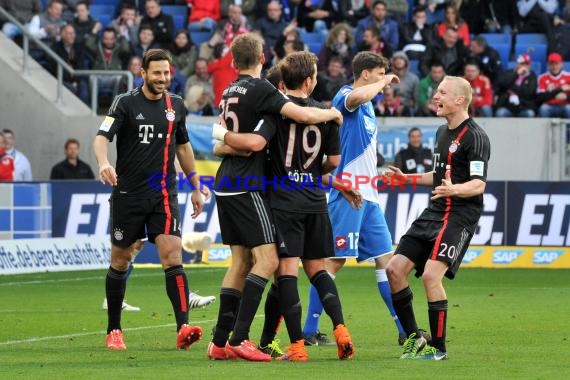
[245,219]
[308,236]
[136,218]
[436,240]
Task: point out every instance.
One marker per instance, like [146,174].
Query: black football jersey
[147,133]
[296,160]
[243,105]
[467,149]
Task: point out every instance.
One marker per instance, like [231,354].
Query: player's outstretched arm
[364,94]
[462,190]
[424,179]
[311,115]
[107,172]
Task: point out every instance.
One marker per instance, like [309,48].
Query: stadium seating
[566,66]
[504,51]
[530,38]
[179,22]
[97,10]
[497,38]
[311,37]
[105,19]
[314,47]
[414,65]
[175,10]
[199,37]
[114,3]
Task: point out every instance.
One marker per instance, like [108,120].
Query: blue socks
[384,289]
[314,311]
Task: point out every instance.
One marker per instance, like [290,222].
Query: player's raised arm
[107,172]
[424,179]
[366,93]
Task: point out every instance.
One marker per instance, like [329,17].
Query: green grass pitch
[502,324]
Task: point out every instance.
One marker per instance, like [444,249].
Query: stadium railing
[62,65]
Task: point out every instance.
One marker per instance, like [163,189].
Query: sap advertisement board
[515,214]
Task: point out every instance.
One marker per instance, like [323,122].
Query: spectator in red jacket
[482,103]
[554,89]
[203,14]
[6,161]
[222,71]
[452,20]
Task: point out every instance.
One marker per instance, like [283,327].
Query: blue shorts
[362,234]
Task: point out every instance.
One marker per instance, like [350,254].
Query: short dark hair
[72,141]
[273,75]
[367,60]
[7,130]
[480,40]
[296,67]
[82,2]
[375,3]
[374,30]
[414,129]
[155,55]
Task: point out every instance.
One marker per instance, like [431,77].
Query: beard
[154,90]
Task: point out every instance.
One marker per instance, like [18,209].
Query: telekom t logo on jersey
[145,133]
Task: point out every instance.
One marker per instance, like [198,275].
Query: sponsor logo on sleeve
[340,242]
[477,168]
[106,124]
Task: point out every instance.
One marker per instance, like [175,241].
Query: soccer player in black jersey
[150,126]
[298,203]
[437,241]
[245,218]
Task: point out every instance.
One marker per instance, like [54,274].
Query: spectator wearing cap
[554,89]
[482,102]
[409,82]
[517,90]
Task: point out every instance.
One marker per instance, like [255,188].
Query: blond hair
[461,87]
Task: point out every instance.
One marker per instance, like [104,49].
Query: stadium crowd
[482,40]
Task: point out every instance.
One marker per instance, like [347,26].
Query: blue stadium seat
[199,37]
[175,10]
[315,47]
[497,38]
[537,52]
[97,10]
[105,19]
[530,38]
[311,37]
[536,66]
[114,3]
[504,51]
[179,22]
[566,66]
[414,66]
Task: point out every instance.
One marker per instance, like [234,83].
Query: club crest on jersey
[453,147]
[170,114]
[118,234]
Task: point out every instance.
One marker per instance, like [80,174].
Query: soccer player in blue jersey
[359,233]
